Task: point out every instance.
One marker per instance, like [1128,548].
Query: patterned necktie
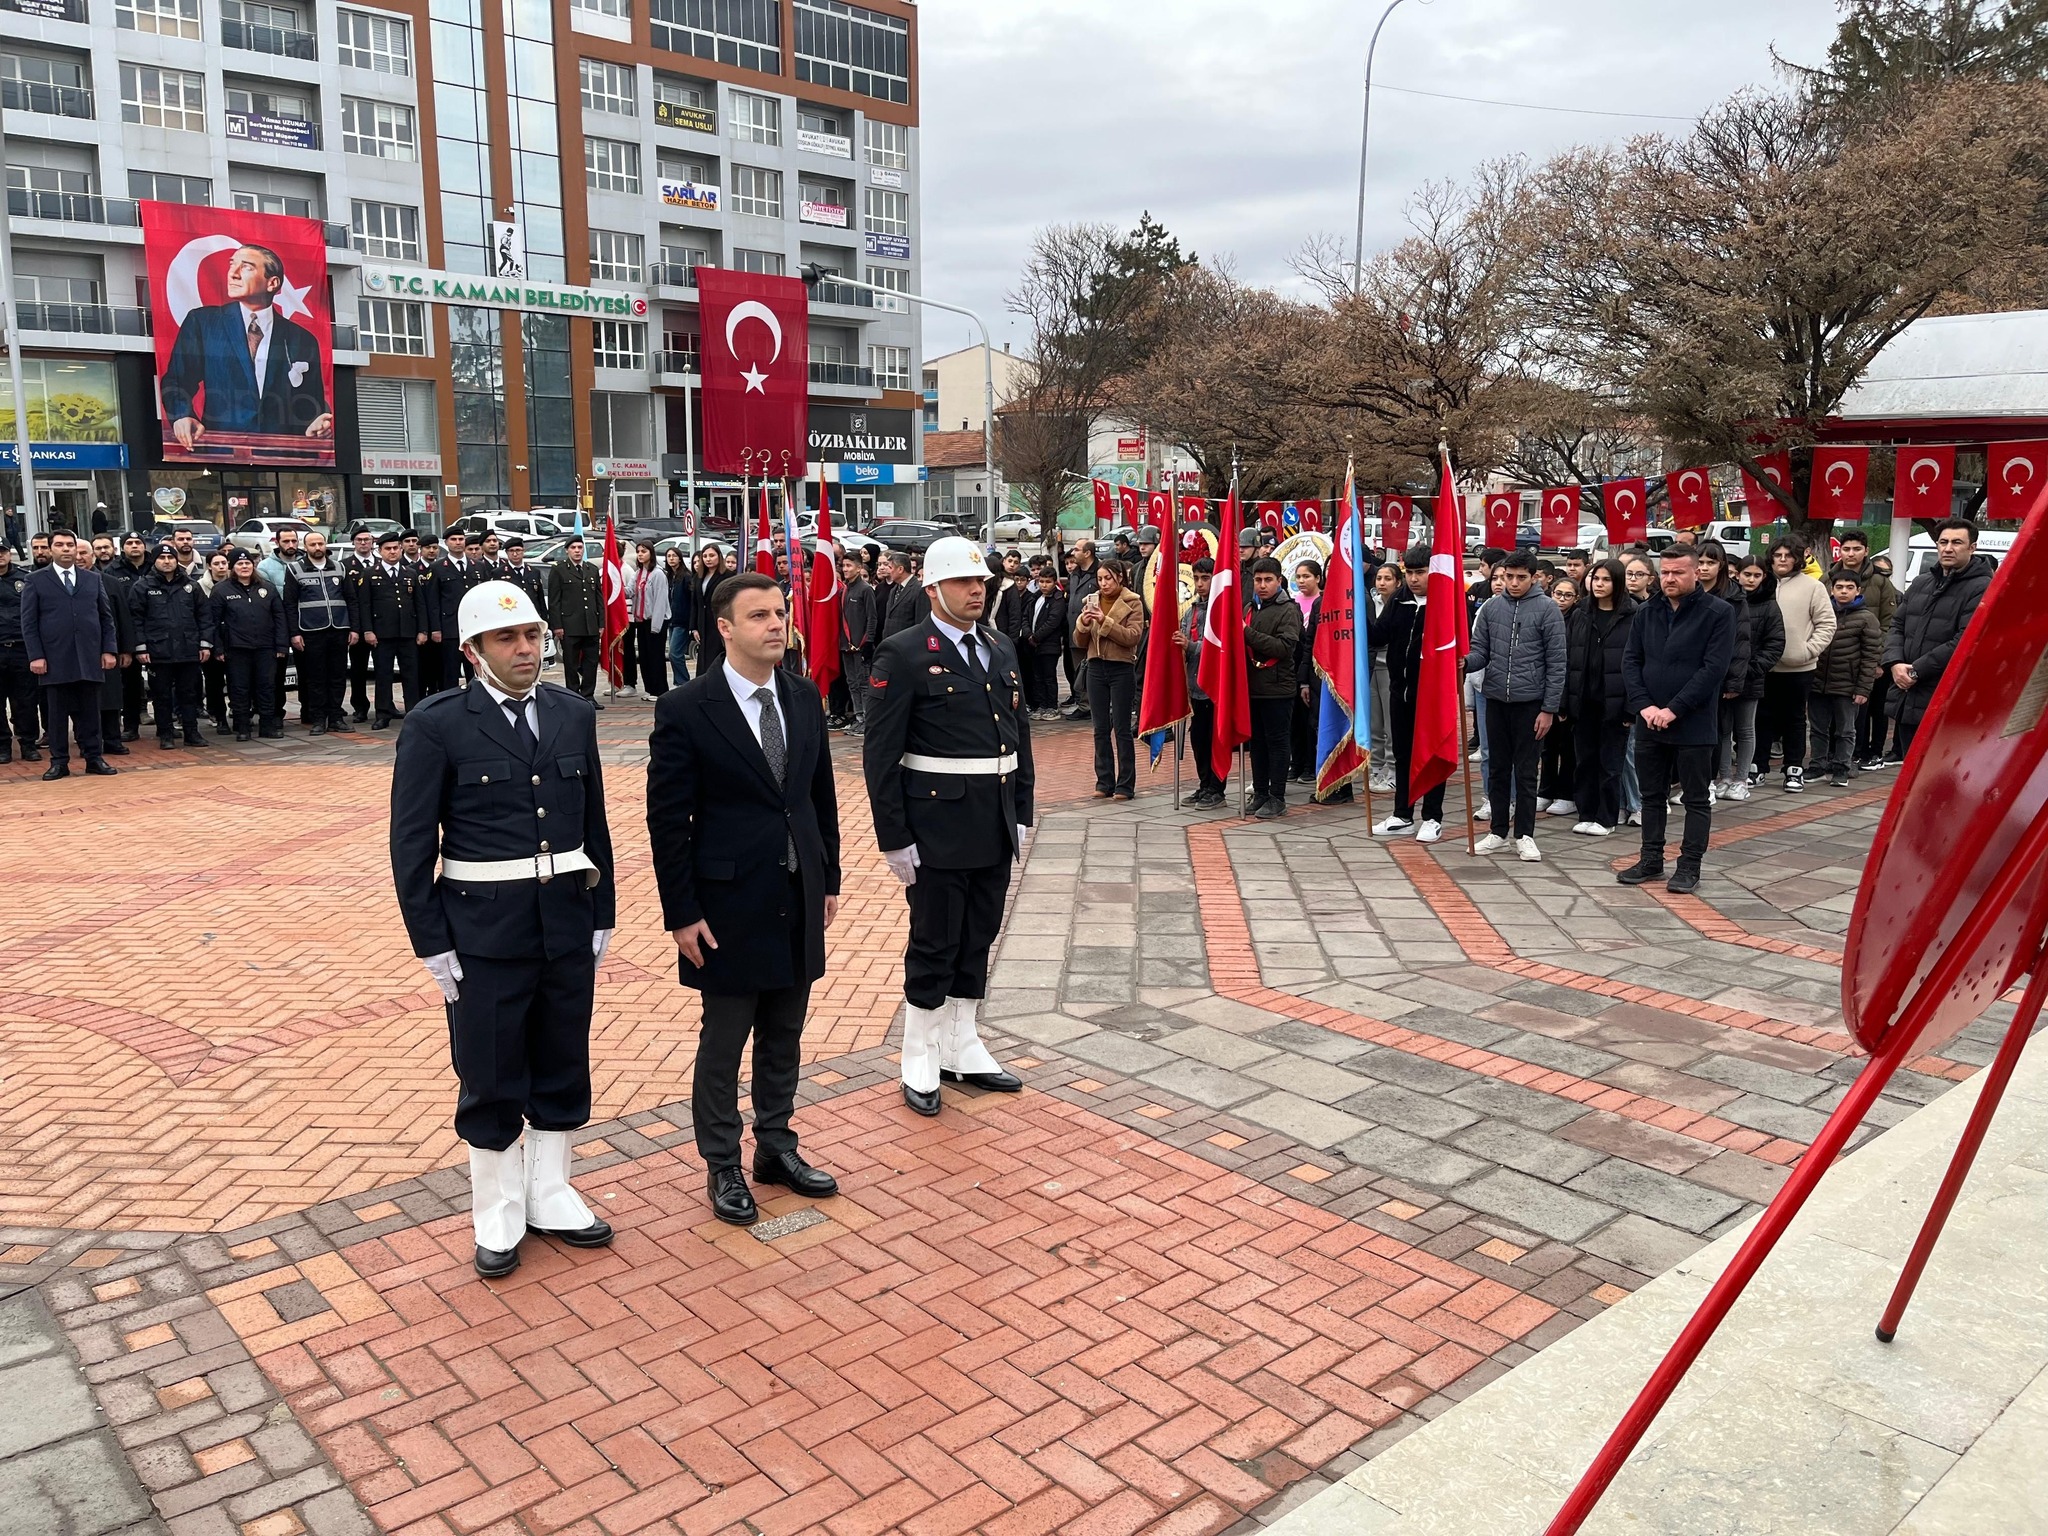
[777,753]
[255,339]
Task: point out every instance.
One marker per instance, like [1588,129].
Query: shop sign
[269,128]
[67,456]
[894,247]
[687,194]
[622,469]
[842,434]
[46,10]
[822,213]
[673,114]
[401,464]
[1128,448]
[832,144]
[496,293]
[885,176]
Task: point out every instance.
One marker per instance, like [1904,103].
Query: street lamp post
[813,273]
[1364,144]
[10,318]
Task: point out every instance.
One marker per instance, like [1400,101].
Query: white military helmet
[949,558]
[493,605]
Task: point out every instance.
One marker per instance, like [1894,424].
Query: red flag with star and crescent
[1446,640]
[611,645]
[757,378]
[2013,475]
[1763,506]
[1621,507]
[822,601]
[1223,670]
[1560,516]
[1503,515]
[1838,479]
[1924,484]
[1691,493]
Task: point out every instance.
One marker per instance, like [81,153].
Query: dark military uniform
[353,567]
[17,683]
[927,705]
[533,581]
[575,606]
[470,789]
[392,607]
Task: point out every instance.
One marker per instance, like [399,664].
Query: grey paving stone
[1542,1157]
[1220,1049]
[1386,1104]
[1118,1052]
[1310,1123]
[1558,1055]
[1422,1073]
[1386,1150]
[1779,1119]
[1662,1197]
[1758,1077]
[27,1331]
[1310,1078]
[1086,961]
[1461,1027]
[62,1402]
[1099,989]
[1533,1204]
[1310,1040]
[80,1488]
[1203,1083]
[1511,1101]
[1640,1244]
[1173,973]
[1046,1029]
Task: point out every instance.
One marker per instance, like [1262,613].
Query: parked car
[206,537]
[376,527]
[1015,525]
[258,535]
[911,538]
[527,525]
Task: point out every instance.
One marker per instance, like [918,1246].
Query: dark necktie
[970,647]
[70,584]
[516,710]
[777,752]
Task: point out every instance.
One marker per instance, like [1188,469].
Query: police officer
[391,616]
[17,683]
[948,762]
[317,617]
[500,781]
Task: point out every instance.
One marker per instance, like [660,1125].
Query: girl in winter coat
[1766,648]
[1595,697]
[1557,767]
[1809,616]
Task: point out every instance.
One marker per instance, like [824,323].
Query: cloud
[1238,126]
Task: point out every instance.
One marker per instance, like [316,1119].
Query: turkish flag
[757,378]
[1396,513]
[1560,517]
[1312,515]
[1621,503]
[1194,509]
[1159,513]
[1763,507]
[1105,508]
[1446,641]
[2013,476]
[611,645]
[764,539]
[1692,497]
[1503,514]
[1127,497]
[1923,483]
[822,601]
[1223,670]
[1271,519]
[1838,479]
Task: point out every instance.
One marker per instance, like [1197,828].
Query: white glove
[1023,836]
[600,941]
[902,863]
[446,971]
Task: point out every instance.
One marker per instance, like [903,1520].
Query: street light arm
[1364,144]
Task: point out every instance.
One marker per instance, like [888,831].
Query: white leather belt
[542,867]
[917,761]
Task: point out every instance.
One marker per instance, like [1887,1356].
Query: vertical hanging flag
[1312,515]
[1222,669]
[1397,516]
[1923,484]
[755,352]
[1163,700]
[1105,511]
[821,634]
[1839,475]
[611,644]
[1343,724]
[1560,517]
[2013,475]
[799,607]
[1446,638]
[1127,499]
[1691,492]
[1159,513]
[1272,517]
[764,538]
[1621,504]
[1763,506]
[1194,509]
[1503,514]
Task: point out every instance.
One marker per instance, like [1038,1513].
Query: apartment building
[436,142]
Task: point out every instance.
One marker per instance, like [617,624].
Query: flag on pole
[764,538]
[1446,638]
[1222,670]
[1343,724]
[1164,702]
[612,644]
[821,632]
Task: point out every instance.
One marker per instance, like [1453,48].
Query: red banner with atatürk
[756,361]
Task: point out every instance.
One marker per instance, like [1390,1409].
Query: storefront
[75,446]
[869,456]
[404,487]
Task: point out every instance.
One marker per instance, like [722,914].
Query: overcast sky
[1237,123]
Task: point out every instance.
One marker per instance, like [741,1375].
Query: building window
[619,343]
[815,120]
[757,191]
[163,187]
[285,104]
[888,144]
[892,281]
[891,365]
[672,165]
[163,98]
[756,119]
[746,34]
[616,257]
[767,263]
[166,18]
[888,212]
[852,49]
[388,231]
[58,86]
[607,87]
[611,165]
[603,7]
[391,325]
[379,129]
[680,263]
[276,202]
[380,43]
[621,426]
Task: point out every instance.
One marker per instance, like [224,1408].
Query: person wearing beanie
[248,620]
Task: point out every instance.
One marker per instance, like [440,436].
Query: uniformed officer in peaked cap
[500,781]
[948,760]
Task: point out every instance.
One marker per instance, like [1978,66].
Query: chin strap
[483,670]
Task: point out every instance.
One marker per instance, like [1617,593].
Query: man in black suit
[241,366]
[501,783]
[67,627]
[391,617]
[744,821]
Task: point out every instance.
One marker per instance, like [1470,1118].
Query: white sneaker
[1736,791]
[1795,780]
[1564,808]
[1493,842]
[1593,829]
[1430,832]
[627,692]
[1485,811]
[1473,758]
[1392,825]
[1527,851]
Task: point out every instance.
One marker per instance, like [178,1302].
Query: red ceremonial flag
[1127,499]
[1692,497]
[1446,638]
[1159,513]
[1163,701]
[2013,475]
[1336,724]
[1271,517]
[1503,515]
[1194,509]
[764,538]
[822,602]
[1222,670]
[1621,503]
[1311,512]
[1838,478]
[1105,508]
[611,645]
[1397,515]
[1923,484]
[1560,517]
[1764,507]
[755,356]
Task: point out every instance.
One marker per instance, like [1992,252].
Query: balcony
[39,96]
[830,291]
[674,368]
[345,339]
[673,274]
[339,237]
[72,207]
[285,42]
[83,319]
[845,375]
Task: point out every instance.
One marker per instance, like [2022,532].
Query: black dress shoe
[1684,880]
[792,1172]
[197,739]
[31,755]
[1641,872]
[496,1263]
[6,754]
[994,1082]
[316,730]
[245,735]
[597,1235]
[167,743]
[100,768]
[380,723]
[116,749]
[134,735]
[731,1200]
[923,1103]
[57,771]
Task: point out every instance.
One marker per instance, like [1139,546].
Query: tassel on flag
[1343,724]
[1222,670]
[821,631]
[1446,639]
[764,539]
[1163,704]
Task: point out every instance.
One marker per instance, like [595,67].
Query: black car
[911,538]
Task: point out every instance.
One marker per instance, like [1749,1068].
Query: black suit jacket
[69,630]
[720,825]
[211,356]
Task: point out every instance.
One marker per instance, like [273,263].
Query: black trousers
[1045,679]
[776,1022]
[955,915]
[1872,723]
[1404,759]
[1110,688]
[1202,741]
[1783,716]
[18,695]
[1557,770]
[77,704]
[579,663]
[646,656]
[323,676]
[1269,748]
[519,1033]
[1513,755]
[215,672]
[1657,764]
[400,655]
[1301,736]
[359,678]
[1597,747]
[174,695]
[250,675]
[133,689]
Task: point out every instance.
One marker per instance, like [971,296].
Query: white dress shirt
[962,641]
[743,690]
[266,321]
[501,698]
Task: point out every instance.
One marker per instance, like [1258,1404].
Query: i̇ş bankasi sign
[499,292]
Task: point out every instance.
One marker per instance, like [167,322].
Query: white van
[1920,554]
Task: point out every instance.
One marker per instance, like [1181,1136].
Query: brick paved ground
[1321,1133]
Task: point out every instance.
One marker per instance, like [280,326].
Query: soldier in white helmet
[948,761]
[499,780]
